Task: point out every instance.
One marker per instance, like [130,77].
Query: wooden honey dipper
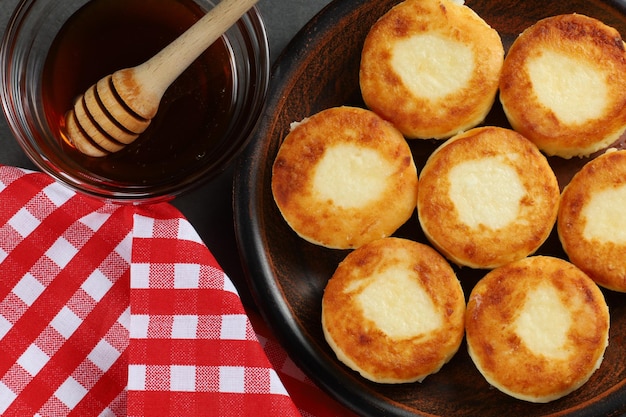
[117,109]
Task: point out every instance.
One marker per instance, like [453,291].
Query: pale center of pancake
[573,89]
[396,302]
[432,66]
[351,176]
[605,218]
[486,192]
[544,322]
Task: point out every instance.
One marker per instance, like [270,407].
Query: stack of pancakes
[344,178]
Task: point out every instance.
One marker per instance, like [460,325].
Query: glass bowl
[206,117]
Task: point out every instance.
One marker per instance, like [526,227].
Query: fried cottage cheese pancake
[537,328]
[344,177]
[487,197]
[563,85]
[592,220]
[431,67]
[394,311]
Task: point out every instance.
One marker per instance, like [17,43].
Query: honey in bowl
[195,112]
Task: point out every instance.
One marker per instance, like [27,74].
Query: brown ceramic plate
[319,69]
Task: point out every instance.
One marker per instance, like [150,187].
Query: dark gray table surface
[208,208]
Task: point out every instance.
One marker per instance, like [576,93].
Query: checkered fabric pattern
[114,310]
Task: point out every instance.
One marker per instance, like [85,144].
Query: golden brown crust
[360,343]
[588,42]
[311,205]
[505,358]
[417,115]
[483,246]
[602,258]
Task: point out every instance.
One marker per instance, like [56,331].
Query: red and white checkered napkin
[112,310]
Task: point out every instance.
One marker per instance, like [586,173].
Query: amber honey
[107,35]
